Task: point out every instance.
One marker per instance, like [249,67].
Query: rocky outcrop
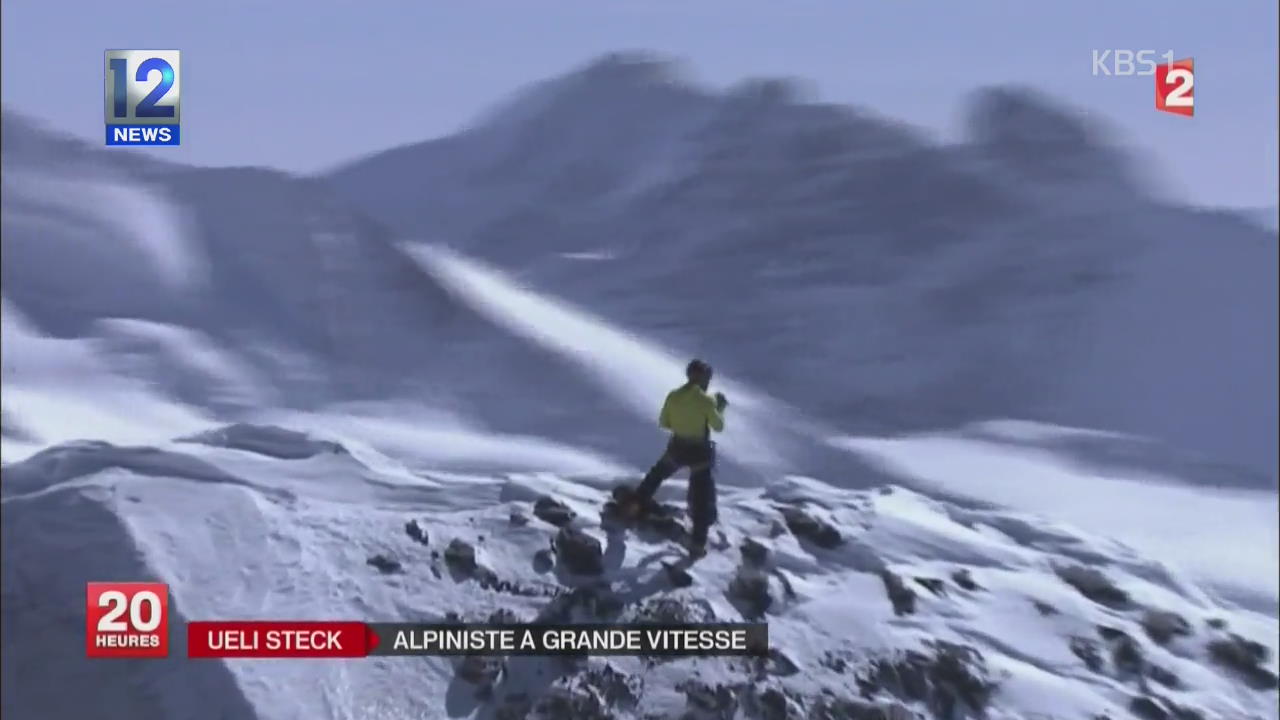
[578,552]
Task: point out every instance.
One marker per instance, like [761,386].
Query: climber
[690,415]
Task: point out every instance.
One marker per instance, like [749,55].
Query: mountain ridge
[1011,253]
[944,610]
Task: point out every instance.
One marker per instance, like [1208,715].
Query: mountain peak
[770,91]
[630,67]
[1036,137]
[1014,114]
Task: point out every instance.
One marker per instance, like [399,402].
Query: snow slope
[1226,536]
[241,533]
[918,605]
[1197,514]
[279,311]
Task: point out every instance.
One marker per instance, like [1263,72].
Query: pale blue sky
[285,82]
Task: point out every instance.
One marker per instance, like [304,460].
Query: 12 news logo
[144,97]
[127,620]
[1175,79]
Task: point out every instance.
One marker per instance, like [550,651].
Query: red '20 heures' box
[127,620]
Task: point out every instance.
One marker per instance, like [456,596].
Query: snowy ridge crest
[943,611]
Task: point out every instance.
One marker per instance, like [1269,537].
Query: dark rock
[385,564]
[480,670]
[503,616]
[834,662]
[1245,657]
[460,556]
[904,676]
[515,706]
[1127,656]
[815,530]
[571,662]
[959,673]
[544,561]
[585,603]
[489,580]
[416,532]
[774,705]
[754,554]
[750,593]
[714,703]
[1044,608]
[1239,652]
[777,529]
[1164,676]
[615,688]
[1088,652]
[933,585]
[953,678]
[671,611]
[578,552]
[831,707]
[1094,585]
[1148,708]
[1154,707]
[553,511]
[1216,623]
[608,605]
[677,576]
[964,579]
[518,519]
[563,702]
[1110,633]
[1162,625]
[901,597]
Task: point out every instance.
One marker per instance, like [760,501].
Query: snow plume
[1226,537]
[141,216]
[632,369]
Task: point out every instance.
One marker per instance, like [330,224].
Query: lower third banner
[267,639]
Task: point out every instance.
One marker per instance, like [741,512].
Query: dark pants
[700,457]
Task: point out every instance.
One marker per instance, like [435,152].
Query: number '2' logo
[143,87]
[1174,87]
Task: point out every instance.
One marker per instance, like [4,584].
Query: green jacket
[690,413]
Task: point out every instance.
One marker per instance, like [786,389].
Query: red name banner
[268,639]
[311,639]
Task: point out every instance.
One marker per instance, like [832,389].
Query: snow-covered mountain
[242,288]
[248,384]
[1026,271]
[880,604]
